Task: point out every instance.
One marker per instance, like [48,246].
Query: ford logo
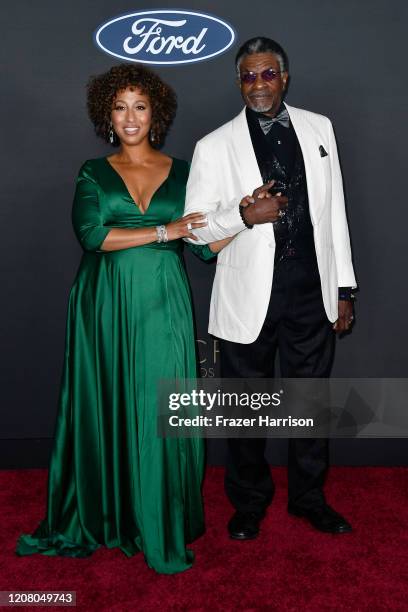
[165,37]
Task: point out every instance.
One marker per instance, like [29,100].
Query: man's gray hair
[260,44]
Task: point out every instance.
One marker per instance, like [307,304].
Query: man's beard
[260,108]
[261,105]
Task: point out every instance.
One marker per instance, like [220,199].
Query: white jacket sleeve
[204,194]
[341,238]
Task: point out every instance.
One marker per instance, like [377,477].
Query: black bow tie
[267,122]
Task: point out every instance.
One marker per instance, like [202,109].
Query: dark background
[347,61]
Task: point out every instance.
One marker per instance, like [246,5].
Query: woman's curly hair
[102,90]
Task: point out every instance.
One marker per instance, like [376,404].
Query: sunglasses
[266,75]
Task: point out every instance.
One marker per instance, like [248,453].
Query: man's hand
[346,317]
[262,207]
[259,192]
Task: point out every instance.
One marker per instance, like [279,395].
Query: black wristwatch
[345,293]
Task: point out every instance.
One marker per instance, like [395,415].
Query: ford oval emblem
[165,37]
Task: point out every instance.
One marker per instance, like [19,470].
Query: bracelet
[244,221]
[161,233]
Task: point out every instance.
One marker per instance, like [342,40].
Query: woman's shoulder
[181,167]
[92,167]
[181,162]
[95,162]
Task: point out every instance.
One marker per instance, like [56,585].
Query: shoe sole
[300,515]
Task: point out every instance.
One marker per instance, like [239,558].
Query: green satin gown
[111,480]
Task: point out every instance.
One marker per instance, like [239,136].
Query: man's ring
[282,213]
[189,227]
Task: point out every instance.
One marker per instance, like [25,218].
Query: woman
[112,481]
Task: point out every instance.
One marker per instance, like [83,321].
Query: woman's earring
[111,134]
[152,135]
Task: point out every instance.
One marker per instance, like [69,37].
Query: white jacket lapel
[316,182]
[244,157]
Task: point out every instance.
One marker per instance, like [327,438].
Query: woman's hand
[218,245]
[181,228]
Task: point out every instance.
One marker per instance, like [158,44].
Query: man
[284,282]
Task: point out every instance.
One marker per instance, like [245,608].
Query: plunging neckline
[154,193]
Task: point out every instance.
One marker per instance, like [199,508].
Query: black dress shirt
[281,143]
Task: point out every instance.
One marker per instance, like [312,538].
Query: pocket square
[323,153]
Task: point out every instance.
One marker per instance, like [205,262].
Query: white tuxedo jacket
[223,170]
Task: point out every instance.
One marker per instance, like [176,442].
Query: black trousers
[297,326]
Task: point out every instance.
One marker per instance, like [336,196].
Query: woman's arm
[124,238]
[207,252]
[86,215]
[93,235]
[217,246]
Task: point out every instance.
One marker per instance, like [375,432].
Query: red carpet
[290,567]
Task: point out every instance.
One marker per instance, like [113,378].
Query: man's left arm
[341,240]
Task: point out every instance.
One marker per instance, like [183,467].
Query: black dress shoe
[323,518]
[244,525]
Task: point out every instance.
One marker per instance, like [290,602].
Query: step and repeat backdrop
[347,61]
